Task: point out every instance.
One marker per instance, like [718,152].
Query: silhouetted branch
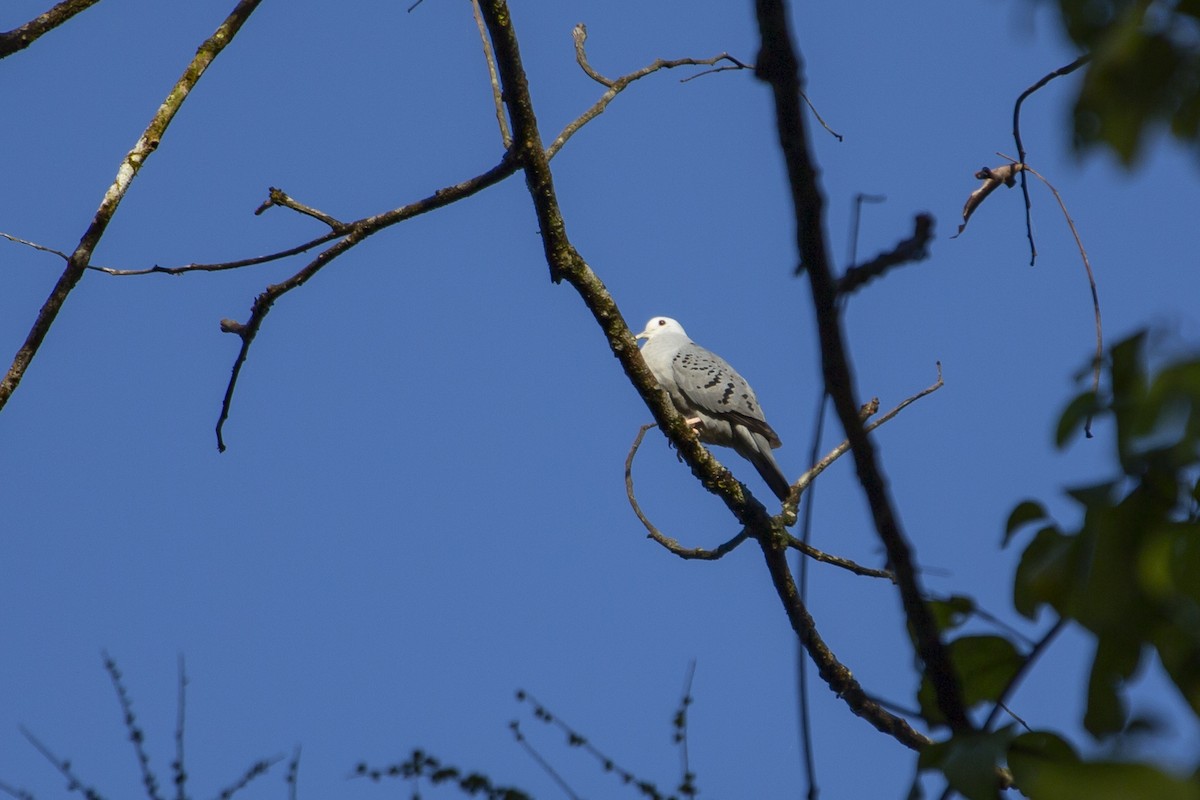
[779,66]
[136,735]
[1098,358]
[177,766]
[687,779]
[1058,73]
[74,784]
[356,232]
[914,248]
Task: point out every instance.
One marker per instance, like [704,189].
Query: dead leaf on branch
[992,178]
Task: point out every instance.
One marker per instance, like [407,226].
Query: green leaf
[1050,771]
[950,612]
[1026,512]
[985,665]
[969,761]
[1044,572]
[1114,663]
[1073,417]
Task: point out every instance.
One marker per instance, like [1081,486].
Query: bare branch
[615,87]
[490,57]
[1098,358]
[579,34]
[146,144]
[1022,671]
[245,262]
[177,766]
[672,545]
[914,248]
[19,38]
[277,197]
[74,784]
[136,735]
[779,66]
[837,561]
[355,233]
[36,246]
[1058,73]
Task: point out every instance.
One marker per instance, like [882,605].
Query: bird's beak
[642,335]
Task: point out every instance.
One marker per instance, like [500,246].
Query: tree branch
[355,232]
[779,66]
[19,38]
[567,264]
[1067,70]
[146,144]
[914,248]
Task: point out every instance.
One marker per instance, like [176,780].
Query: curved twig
[672,545]
[1067,70]
[1098,358]
[146,144]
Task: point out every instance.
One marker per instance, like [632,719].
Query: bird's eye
[662,322]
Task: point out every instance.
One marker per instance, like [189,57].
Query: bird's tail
[758,452]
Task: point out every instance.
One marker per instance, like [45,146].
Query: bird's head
[660,325]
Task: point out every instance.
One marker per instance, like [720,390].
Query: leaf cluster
[1144,74]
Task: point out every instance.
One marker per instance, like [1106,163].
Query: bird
[714,398]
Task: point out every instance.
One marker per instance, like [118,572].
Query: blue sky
[421,509]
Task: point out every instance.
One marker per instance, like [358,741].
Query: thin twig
[687,781]
[837,561]
[278,197]
[15,792]
[358,231]
[177,766]
[577,739]
[256,769]
[802,483]
[538,759]
[74,784]
[19,38]
[672,545]
[1098,358]
[136,735]
[1022,670]
[615,87]
[490,57]
[855,217]
[293,775]
[36,246]
[1058,73]
[245,262]
[133,161]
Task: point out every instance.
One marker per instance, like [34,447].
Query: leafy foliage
[1130,574]
[1145,72]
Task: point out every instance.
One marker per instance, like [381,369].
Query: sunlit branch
[133,161]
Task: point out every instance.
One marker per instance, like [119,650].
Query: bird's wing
[710,386]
